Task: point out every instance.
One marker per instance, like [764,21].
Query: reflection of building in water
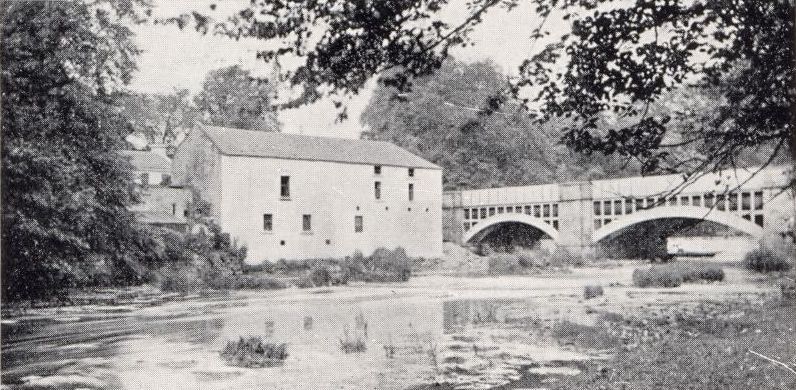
[460,313]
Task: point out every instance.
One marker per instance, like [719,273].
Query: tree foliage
[65,188]
[437,120]
[231,97]
[618,59]
[159,118]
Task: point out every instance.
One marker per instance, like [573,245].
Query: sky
[173,58]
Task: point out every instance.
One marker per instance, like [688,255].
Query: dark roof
[143,160]
[237,142]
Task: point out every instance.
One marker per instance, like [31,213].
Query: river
[463,332]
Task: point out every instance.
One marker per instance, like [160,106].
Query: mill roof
[238,142]
[143,160]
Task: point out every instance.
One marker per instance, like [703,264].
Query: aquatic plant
[591,291]
[254,352]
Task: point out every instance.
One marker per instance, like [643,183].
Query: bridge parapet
[576,210]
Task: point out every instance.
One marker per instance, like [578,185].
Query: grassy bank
[716,345]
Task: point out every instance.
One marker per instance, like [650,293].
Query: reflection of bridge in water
[580,215]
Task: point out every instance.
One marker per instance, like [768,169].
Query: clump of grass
[700,271]
[763,259]
[661,276]
[591,291]
[248,282]
[253,352]
[595,337]
[675,274]
[353,345]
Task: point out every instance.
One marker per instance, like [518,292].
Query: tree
[65,188]
[232,97]
[159,118]
[437,120]
[618,58]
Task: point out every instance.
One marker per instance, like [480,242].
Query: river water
[466,333]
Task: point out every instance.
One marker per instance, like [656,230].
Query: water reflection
[406,340]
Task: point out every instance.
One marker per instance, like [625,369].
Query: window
[733,201]
[466,213]
[555,210]
[165,179]
[528,210]
[672,201]
[696,201]
[483,213]
[268,222]
[597,208]
[546,211]
[537,210]
[357,224]
[708,200]
[491,211]
[377,169]
[306,223]
[629,206]
[684,200]
[759,219]
[607,207]
[618,207]
[284,189]
[144,179]
[411,192]
[651,202]
[639,204]
[746,201]
[500,210]
[377,190]
[518,209]
[411,172]
[720,202]
[759,201]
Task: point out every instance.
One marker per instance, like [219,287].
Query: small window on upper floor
[411,192]
[411,172]
[377,169]
[377,189]
[284,188]
[306,223]
[268,222]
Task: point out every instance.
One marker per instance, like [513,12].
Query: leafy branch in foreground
[616,61]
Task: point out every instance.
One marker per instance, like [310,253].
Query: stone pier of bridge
[578,216]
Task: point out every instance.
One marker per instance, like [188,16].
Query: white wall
[331,193]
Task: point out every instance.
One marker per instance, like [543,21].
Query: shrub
[701,271]
[180,278]
[590,292]
[763,259]
[320,276]
[250,282]
[253,352]
[505,264]
[657,277]
[383,265]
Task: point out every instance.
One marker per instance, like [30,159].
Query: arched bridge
[678,212]
[579,215]
[487,226]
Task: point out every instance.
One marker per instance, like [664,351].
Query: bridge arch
[686,212]
[485,226]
